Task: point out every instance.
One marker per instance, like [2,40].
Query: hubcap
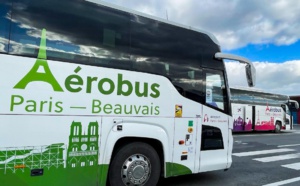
[136,170]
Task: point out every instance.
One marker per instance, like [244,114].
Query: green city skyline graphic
[81,151]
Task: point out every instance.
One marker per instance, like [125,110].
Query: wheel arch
[154,135]
[279,120]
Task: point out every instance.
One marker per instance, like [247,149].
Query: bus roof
[254,96]
[100,2]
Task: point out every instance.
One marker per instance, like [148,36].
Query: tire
[136,163]
[277,127]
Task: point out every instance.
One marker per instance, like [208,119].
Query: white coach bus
[254,110]
[93,94]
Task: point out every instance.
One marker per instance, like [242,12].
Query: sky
[267,32]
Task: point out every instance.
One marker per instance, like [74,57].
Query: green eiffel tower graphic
[41,63]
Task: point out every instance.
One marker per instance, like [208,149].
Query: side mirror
[250,70]
[251,75]
[294,104]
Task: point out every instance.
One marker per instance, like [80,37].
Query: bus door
[288,123]
[216,135]
[214,140]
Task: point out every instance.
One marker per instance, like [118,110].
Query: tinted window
[189,83]
[208,59]
[77,31]
[5,15]
[170,51]
[165,42]
[212,138]
[159,41]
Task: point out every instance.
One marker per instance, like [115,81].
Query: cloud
[280,78]
[235,23]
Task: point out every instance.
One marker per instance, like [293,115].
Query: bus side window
[99,38]
[5,13]
[188,82]
[216,94]
[112,43]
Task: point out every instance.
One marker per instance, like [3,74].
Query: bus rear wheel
[277,127]
[135,164]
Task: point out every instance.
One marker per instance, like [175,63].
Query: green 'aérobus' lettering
[74,80]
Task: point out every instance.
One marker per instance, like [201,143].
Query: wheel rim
[136,170]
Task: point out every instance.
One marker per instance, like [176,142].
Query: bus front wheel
[277,127]
[136,163]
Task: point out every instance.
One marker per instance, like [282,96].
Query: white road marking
[278,158]
[291,145]
[284,182]
[252,153]
[295,166]
[267,134]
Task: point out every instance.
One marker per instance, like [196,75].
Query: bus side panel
[55,151]
[242,117]
[185,146]
[238,113]
[264,118]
